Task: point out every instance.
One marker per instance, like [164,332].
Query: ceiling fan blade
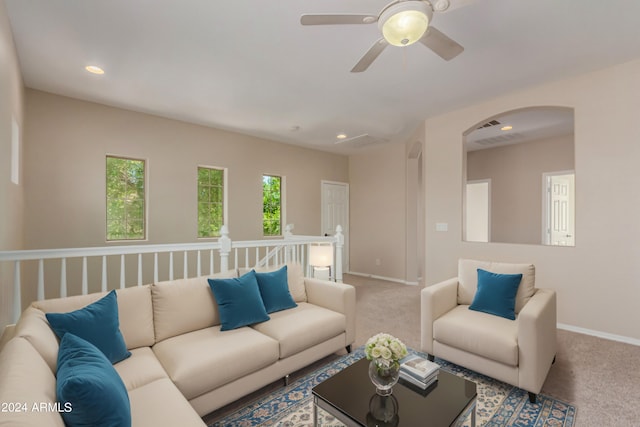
[370,56]
[442,45]
[337,19]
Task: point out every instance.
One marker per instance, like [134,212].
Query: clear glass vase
[384,378]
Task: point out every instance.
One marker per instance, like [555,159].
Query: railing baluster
[211,261]
[63,278]
[198,266]
[246,258]
[257,257]
[170,265]
[104,274]
[139,269]
[17,300]
[40,279]
[155,267]
[122,272]
[85,286]
[235,261]
[185,266]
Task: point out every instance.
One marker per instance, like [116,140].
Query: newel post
[288,250]
[339,248]
[225,248]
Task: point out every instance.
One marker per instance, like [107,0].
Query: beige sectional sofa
[182,366]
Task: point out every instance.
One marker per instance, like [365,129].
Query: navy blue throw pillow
[496,294]
[239,301]
[97,323]
[274,289]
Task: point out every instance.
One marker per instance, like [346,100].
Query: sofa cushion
[160,403]
[274,290]
[239,301]
[88,382]
[28,380]
[185,305]
[33,327]
[468,279]
[97,323]
[135,312]
[201,361]
[493,337]
[496,294]
[295,279]
[302,327]
[140,369]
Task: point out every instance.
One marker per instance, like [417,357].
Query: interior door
[478,219]
[335,211]
[560,210]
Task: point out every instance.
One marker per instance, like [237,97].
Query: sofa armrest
[338,297]
[435,300]
[537,339]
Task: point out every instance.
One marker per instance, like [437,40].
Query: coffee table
[349,395]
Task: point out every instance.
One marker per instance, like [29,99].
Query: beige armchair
[519,352]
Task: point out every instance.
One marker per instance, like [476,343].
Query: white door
[335,211]
[560,218]
[478,220]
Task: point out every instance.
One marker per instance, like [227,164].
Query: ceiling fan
[402,23]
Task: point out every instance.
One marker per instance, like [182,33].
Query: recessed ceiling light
[506,127]
[341,135]
[94,69]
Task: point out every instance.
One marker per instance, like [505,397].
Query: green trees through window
[125,198]
[210,201]
[271,205]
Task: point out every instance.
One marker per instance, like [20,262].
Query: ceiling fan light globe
[403,24]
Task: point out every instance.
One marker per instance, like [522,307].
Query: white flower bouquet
[386,350]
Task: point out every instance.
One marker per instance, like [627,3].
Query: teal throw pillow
[239,301]
[496,294]
[90,391]
[274,289]
[97,323]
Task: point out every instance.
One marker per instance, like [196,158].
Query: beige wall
[516,184]
[11,195]
[597,281]
[66,141]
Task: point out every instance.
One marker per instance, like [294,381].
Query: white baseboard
[605,335]
[388,279]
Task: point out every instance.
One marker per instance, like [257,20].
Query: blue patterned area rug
[498,404]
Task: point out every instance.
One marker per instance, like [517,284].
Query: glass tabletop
[351,392]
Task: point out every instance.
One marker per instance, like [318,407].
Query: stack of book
[419,371]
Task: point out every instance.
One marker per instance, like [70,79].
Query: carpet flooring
[497,404]
[601,378]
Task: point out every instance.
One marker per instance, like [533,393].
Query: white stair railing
[260,253]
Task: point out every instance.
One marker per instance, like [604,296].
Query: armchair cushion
[496,294]
[493,337]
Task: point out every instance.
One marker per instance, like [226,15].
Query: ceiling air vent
[499,139]
[489,124]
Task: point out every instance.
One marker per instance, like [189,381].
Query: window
[211,201]
[125,199]
[271,205]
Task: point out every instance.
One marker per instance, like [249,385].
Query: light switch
[442,226]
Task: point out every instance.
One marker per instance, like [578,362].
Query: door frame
[345,227]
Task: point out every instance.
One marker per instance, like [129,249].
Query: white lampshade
[321,255]
[405,23]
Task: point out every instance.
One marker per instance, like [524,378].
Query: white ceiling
[250,66]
